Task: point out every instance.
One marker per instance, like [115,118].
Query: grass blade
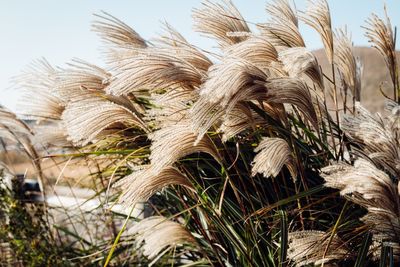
[363,252]
[284,238]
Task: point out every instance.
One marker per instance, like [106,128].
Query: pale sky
[60,30]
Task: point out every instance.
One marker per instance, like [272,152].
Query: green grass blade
[391,257]
[384,254]
[285,201]
[109,256]
[363,252]
[284,238]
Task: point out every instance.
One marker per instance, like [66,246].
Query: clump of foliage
[24,229]
[250,156]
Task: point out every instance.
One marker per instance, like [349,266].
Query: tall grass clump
[252,155]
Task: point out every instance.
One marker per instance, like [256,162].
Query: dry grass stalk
[295,92]
[80,78]
[238,120]
[174,42]
[154,69]
[52,134]
[281,11]
[257,50]
[18,132]
[10,122]
[282,29]
[121,40]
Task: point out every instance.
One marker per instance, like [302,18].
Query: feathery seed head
[220,21]
[158,233]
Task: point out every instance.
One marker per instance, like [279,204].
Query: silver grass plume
[282,28]
[379,138]
[79,79]
[174,41]
[295,92]
[220,94]
[15,130]
[154,69]
[52,134]
[374,190]
[221,21]
[318,17]
[175,141]
[142,184]
[256,50]
[158,234]
[239,119]
[298,60]
[228,83]
[308,247]
[86,118]
[228,78]
[38,99]
[272,154]
[380,34]
[121,39]
[348,64]
[249,63]
[393,108]
[281,10]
